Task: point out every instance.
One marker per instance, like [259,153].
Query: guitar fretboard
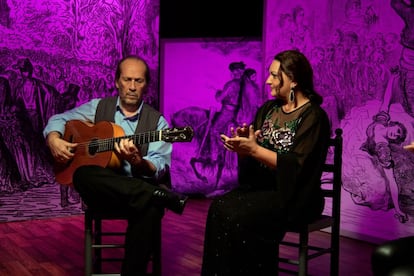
[101,145]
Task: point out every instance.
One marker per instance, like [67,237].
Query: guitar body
[86,134]
[96,144]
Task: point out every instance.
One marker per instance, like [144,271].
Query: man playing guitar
[130,186]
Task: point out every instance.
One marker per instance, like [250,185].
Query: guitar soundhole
[93,147]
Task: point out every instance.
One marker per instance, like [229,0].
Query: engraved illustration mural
[55,55]
[362,54]
[222,90]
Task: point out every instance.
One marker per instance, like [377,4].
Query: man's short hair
[147,69]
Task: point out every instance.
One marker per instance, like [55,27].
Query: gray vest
[148,118]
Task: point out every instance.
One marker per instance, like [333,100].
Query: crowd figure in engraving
[356,80]
[33,89]
[348,60]
[45,51]
[405,9]
[211,151]
[239,99]
[355,60]
[9,174]
[250,96]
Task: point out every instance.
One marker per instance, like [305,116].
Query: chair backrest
[332,178]
[331,187]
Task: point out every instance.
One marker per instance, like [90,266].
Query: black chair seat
[323,221]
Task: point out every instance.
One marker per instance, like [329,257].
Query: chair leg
[335,253]
[157,251]
[97,264]
[88,244]
[93,253]
[277,259]
[303,253]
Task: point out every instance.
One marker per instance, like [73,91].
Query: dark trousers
[104,190]
[242,233]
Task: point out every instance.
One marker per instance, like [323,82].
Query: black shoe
[170,200]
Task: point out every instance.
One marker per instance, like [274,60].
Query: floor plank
[55,246]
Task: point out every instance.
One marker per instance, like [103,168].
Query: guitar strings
[168,135]
[105,144]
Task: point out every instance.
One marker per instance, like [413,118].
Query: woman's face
[300,16]
[336,38]
[253,77]
[394,132]
[273,80]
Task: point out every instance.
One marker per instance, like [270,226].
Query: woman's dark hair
[249,72]
[297,67]
[118,68]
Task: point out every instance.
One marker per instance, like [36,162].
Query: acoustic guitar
[96,144]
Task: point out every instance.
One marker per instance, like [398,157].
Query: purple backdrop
[361,51]
[199,89]
[55,55]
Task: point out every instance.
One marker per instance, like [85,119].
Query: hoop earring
[292,95]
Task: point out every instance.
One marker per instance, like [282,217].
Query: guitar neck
[139,139]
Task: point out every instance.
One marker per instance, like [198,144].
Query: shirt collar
[132,118]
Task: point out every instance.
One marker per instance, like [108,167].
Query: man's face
[132,82]
[24,74]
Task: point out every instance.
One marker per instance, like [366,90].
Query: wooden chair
[98,238]
[331,185]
